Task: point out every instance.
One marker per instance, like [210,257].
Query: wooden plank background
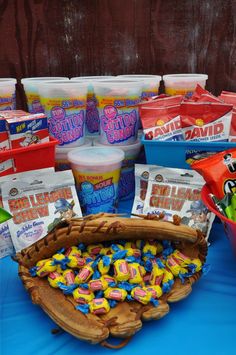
[98,37]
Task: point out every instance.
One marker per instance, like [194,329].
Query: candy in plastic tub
[127,181]
[61,158]
[183,84]
[92,115]
[118,110]
[32,93]
[151,83]
[97,172]
[7,94]
[64,103]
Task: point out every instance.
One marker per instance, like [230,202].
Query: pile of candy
[100,275]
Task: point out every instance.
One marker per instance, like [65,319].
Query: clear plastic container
[183,84]
[31,91]
[151,83]
[61,159]
[97,173]
[92,114]
[64,103]
[127,180]
[118,110]
[7,94]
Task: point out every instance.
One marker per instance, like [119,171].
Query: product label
[66,118]
[98,191]
[33,103]
[188,92]
[149,93]
[119,119]
[92,115]
[166,131]
[7,102]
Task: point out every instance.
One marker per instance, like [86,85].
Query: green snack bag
[229,205]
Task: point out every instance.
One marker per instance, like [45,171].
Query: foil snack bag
[38,204]
[178,191]
[6,245]
[219,172]
[161,119]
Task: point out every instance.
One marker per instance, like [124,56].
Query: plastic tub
[175,153]
[183,84]
[64,103]
[97,172]
[31,91]
[92,114]
[7,94]
[62,162]
[118,110]
[151,83]
[127,181]
[229,226]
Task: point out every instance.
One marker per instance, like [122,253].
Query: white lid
[65,150]
[140,76]
[96,156]
[42,78]
[7,81]
[125,148]
[60,83]
[98,77]
[185,77]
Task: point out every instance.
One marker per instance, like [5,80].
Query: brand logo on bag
[13,192]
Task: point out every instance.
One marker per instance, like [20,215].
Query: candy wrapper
[161,119]
[178,191]
[38,204]
[219,171]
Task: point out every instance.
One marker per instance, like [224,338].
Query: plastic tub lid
[98,77]
[43,78]
[59,83]
[185,77]
[96,156]
[7,81]
[65,150]
[140,76]
[125,148]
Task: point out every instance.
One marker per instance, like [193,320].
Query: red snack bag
[230,98]
[219,172]
[205,122]
[202,95]
[161,120]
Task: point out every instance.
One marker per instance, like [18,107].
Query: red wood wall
[96,37]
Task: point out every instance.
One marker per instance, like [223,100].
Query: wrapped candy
[116,294]
[55,279]
[104,264]
[156,291]
[73,251]
[110,280]
[135,274]
[180,258]
[173,266]
[105,251]
[197,264]
[98,284]
[121,270]
[141,295]
[76,262]
[82,295]
[150,248]
[94,249]
[99,306]
[69,276]
[157,275]
[44,267]
[84,274]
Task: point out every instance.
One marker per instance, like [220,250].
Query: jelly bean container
[92,114]
[183,84]
[31,91]
[118,110]
[127,181]
[64,102]
[61,159]
[97,173]
[151,83]
[7,94]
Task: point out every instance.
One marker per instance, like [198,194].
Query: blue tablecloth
[203,323]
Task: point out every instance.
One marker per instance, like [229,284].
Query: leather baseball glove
[124,320]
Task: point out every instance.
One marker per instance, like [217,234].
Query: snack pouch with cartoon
[178,191]
[219,172]
[161,119]
[141,172]
[38,204]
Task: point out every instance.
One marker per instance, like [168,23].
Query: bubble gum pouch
[205,122]
[219,172]
[141,184]
[178,191]
[38,204]
[161,119]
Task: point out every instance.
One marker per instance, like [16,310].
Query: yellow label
[71,103]
[95,178]
[172,91]
[118,101]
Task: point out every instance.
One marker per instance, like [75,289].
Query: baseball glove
[124,320]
